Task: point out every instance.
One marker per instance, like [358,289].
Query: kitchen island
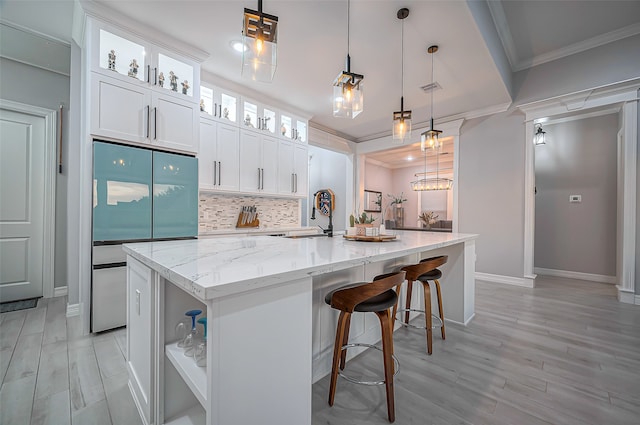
[270,335]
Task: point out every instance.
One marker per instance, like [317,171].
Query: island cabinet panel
[140,336]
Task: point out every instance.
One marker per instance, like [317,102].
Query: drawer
[107,254]
[108,298]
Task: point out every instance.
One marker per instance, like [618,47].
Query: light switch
[575,198]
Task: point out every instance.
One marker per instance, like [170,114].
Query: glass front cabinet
[218,103]
[142,93]
[258,116]
[293,128]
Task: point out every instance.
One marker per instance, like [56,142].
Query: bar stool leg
[407,303]
[337,350]
[427,314]
[440,309]
[387,350]
[395,308]
[345,341]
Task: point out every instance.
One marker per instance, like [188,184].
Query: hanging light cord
[402,61]
[432,87]
[348,22]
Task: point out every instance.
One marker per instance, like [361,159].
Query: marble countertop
[216,267]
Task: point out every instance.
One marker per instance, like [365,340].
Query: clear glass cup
[200,353]
[190,340]
[181,330]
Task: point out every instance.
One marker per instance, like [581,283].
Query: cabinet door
[286,182]
[228,157]
[301,170]
[301,131]
[269,164]
[175,123]
[207,172]
[119,110]
[250,158]
[140,335]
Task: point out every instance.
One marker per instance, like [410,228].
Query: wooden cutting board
[380,238]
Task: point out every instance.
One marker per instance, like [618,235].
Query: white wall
[490,182]
[328,170]
[38,87]
[378,178]
[578,159]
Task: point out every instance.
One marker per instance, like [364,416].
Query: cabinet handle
[262,179]
[296,180]
[220,110]
[219,173]
[292,184]
[148,117]
[155,76]
[259,178]
[155,123]
[148,73]
[215,109]
[215,172]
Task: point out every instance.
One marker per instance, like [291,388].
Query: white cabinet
[140,336]
[219,103]
[293,128]
[141,93]
[259,163]
[259,117]
[292,169]
[219,156]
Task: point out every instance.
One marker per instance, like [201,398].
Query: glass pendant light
[402,119]
[429,141]
[348,99]
[260,37]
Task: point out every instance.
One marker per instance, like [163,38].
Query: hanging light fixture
[348,99]
[402,119]
[429,141]
[539,138]
[260,36]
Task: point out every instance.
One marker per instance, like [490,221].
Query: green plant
[364,219]
[352,221]
[397,199]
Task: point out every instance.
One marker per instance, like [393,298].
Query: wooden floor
[565,352]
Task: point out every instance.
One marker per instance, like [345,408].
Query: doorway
[27,201]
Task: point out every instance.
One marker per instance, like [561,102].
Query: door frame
[49,202]
[624,95]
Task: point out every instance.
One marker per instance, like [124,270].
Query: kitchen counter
[212,268]
[270,334]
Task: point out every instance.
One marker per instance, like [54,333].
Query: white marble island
[270,333]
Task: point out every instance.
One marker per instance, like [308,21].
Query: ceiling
[312,46]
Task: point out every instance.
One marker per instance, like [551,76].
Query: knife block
[254,223]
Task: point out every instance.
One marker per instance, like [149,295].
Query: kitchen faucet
[328,230]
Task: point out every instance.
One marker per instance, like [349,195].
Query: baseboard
[637,299]
[466,322]
[60,291]
[506,280]
[73,310]
[576,275]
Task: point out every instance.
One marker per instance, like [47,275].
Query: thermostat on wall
[575,198]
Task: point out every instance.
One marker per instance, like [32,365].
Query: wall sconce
[260,35]
[538,137]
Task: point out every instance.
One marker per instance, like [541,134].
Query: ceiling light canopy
[260,35]
[348,99]
[430,141]
[402,119]
[539,136]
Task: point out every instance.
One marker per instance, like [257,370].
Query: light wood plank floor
[565,352]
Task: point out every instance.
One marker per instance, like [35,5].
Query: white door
[269,164]
[228,156]
[175,123]
[285,168]
[206,154]
[22,205]
[250,158]
[301,170]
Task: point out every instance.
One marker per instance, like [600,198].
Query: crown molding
[502,26]
[598,113]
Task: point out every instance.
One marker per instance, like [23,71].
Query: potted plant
[361,223]
[427,218]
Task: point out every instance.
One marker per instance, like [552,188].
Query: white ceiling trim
[502,26]
[581,46]
[47,37]
[594,114]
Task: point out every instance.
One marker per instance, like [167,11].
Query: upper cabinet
[142,93]
[259,117]
[218,103]
[293,128]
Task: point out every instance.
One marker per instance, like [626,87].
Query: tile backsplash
[219,211]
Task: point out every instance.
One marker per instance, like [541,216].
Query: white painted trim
[630,140]
[578,47]
[60,291]
[49,224]
[625,296]
[466,322]
[73,310]
[598,113]
[637,297]
[506,280]
[502,27]
[601,278]
[482,112]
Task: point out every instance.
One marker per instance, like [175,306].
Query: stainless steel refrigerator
[138,195]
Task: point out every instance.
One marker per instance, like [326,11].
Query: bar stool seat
[424,272]
[376,297]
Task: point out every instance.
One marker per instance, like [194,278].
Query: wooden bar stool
[377,297]
[425,271]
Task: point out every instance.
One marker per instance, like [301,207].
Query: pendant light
[429,141]
[260,37]
[402,119]
[348,100]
